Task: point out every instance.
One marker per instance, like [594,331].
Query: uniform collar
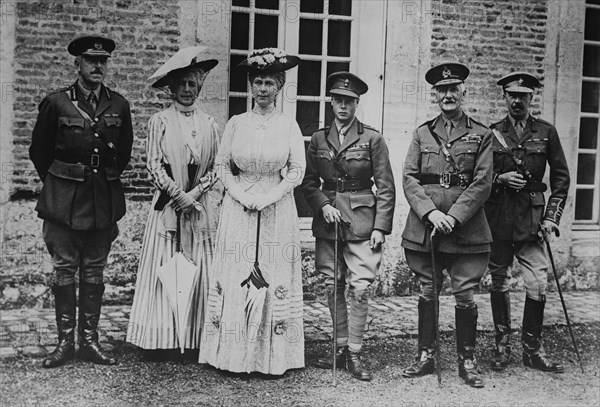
[86,92]
[339,127]
[513,121]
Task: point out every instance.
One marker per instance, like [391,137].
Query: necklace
[261,119]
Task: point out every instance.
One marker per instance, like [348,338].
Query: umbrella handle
[178,233]
[257,237]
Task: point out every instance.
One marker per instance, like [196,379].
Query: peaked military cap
[448,73]
[346,84]
[91,45]
[268,60]
[521,82]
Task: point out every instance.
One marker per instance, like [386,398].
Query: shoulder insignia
[59,90]
[478,123]
[427,123]
[366,126]
[542,121]
[110,92]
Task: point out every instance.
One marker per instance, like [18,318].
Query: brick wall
[492,38]
[146,32]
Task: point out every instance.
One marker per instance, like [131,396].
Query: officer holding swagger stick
[349,157]
[447,178]
[522,147]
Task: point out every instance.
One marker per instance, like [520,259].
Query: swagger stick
[562,300]
[436,310]
[335,286]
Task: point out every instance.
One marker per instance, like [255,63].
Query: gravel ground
[181,381]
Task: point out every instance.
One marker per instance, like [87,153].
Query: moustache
[517,106]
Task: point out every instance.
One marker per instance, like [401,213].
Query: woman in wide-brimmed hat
[251,326]
[181,147]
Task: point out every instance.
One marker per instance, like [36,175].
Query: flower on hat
[267,56]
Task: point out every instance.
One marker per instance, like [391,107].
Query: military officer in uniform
[343,161]
[80,145]
[522,146]
[447,178]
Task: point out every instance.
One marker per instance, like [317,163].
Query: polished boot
[90,302]
[501,313]
[340,359]
[355,367]
[534,355]
[466,330]
[424,363]
[64,299]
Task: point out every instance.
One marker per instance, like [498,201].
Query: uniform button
[469,151]
[95,150]
[520,146]
[448,145]
[96,119]
[95,170]
[96,135]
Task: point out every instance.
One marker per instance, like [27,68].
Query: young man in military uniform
[447,178]
[80,145]
[515,210]
[343,162]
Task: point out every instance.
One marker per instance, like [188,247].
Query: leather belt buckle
[445,179]
[462,182]
[95,161]
[339,185]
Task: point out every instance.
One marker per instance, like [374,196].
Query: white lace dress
[270,155]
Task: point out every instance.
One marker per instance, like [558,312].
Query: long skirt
[152,323]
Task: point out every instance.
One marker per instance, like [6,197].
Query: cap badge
[98,46]
[520,81]
[446,72]
[346,83]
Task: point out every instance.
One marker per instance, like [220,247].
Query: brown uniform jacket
[516,215]
[470,146]
[364,156]
[80,171]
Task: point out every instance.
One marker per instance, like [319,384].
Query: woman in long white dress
[181,147]
[248,328]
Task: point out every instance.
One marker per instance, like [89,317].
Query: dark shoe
[534,355]
[340,359]
[424,365]
[467,370]
[466,330]
[90,302]
[501,315]
[64,298]
[540,362]
[355,367]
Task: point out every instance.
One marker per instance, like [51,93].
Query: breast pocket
[430,157]
[324,163]
[358,161]
[535,151]
[113,127]
[71,134]
[466,153]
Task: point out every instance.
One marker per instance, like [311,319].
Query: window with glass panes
[587,192]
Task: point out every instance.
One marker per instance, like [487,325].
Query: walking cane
[436,310]
[335,286]
[562,300]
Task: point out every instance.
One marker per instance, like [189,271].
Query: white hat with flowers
[269,60]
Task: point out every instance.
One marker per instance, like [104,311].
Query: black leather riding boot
[90,302]
[534,355]
[64,299]
[466,330]
[424,363]
[355,367]
[501,314]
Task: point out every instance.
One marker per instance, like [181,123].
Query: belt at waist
[92,160]
[342,185]
[531,186]
[445,179]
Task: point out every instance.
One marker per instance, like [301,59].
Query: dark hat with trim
[91,45]
[449,73]
[184,60]
[520,82]
[268,60]
[346,84]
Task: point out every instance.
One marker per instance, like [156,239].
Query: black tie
[93,101]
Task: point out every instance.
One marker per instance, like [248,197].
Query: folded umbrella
[179,277]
